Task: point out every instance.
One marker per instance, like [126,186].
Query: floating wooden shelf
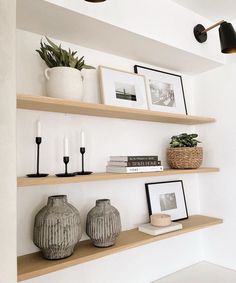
[53,180]
[33,265]
[43,103]
[93,33]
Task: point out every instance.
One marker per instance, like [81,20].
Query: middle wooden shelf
[53,180]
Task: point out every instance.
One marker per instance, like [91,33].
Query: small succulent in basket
[184,140]
[63,75]
[184,153]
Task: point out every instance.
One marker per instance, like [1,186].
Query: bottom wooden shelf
[33,265]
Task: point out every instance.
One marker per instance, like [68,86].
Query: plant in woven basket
[184,140]
[184,153]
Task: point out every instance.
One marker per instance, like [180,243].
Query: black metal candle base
[82,172]
[66,160]
[38,141]
[40,175]
[65,175]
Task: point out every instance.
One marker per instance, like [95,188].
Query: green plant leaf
[52,44]
[55,56]
[184,140]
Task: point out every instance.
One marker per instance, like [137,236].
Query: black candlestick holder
[38,141]
[82,172]
[66,160]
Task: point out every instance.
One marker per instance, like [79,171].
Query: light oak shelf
[53,180]
[43,103]
[33,265]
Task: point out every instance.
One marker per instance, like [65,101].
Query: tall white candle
[82,139]
[38,128]
[66,146]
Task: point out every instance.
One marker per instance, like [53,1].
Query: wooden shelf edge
[43,103]
[53,180]
[33,265]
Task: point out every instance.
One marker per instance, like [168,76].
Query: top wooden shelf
[43,103]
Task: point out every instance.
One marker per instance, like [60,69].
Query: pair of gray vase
[57,227]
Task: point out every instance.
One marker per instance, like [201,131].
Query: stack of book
[134,164]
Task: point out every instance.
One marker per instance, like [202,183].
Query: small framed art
[167,197]
[119,88]
[165,91]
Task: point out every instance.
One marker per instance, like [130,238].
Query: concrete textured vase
[57,228]
[103,224]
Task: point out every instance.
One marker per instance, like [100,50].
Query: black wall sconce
[226,32]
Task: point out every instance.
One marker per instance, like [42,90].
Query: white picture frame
[165,91]
[167,197]
[123,89]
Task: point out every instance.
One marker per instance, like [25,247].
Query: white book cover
[117,163]
[140,169]
[149,229]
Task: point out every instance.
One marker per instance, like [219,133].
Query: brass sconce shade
[226,32]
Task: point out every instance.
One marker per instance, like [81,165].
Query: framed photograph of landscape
[165,91]
[119,88]
[167,197]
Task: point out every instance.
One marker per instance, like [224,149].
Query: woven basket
[185,157]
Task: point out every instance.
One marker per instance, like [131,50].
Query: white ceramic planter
[64,82]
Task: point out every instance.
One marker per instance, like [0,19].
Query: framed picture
[123,89]
[165,91]
[167,197]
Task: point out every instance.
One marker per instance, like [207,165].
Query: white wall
[105,137]
[7,143]
[162,20]
[215,96]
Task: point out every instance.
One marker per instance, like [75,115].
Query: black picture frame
[150,204]
[136,67]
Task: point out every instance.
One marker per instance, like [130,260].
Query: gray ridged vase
[103,224]
[57,228]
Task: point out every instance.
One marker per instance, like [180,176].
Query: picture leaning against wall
[124,89]
[164,90]
[167,197]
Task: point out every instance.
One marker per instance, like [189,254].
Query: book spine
[142,158]
[134,163]
[134,158]
[142,163]
[142,169]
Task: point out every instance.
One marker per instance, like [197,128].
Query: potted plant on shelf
[184,153]
[63,75]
